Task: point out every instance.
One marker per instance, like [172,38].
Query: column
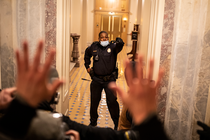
[75,52]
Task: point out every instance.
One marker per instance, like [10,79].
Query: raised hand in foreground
[141,100]
[31,83]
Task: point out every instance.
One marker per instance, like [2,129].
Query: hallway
[79,98]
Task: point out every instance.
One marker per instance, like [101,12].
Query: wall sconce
[100,8]
[124,19]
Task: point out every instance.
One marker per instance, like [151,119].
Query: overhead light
[111,13]
[112,0]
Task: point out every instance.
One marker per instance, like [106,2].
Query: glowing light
[124,19]
[112,0]
[100,8]
[111,13]
[57,115]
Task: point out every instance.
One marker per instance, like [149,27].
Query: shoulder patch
[94,50]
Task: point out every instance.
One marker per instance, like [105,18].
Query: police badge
[108,50]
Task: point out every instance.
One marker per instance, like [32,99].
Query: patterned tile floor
[79,98]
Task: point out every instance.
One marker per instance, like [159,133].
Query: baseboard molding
[72,64]
[66,113]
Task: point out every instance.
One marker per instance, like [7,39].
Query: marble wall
[6,44]
[165,58]
[189,70]
[30,18]
[24,20]
[50,26]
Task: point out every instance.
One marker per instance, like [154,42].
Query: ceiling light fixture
[111,13]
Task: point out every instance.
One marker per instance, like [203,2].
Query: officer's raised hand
[119,40]
[141,101]
[119,45]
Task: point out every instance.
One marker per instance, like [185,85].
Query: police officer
[102,73]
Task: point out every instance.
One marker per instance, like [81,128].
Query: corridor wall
[20,20]
[6,44]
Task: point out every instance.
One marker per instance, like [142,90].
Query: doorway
[112,25]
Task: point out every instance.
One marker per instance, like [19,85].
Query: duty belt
[105,78]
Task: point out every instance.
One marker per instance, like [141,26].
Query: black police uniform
[103,72]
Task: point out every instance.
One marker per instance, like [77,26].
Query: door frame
[62,52]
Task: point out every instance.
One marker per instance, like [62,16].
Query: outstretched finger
[48,63]
[55,85]
[151,67]
[128,72]
[25,53]
[203,125]
[37,56]
[19,63]
[120,92]
[139,67]
[160,76]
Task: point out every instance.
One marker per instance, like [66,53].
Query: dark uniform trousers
[96,87]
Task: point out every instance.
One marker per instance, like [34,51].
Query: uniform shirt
[104,58]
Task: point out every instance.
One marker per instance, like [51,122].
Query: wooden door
[112,25]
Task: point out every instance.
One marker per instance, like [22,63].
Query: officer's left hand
[205,133]
[88,70]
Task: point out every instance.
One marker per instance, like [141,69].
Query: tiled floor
[79,98]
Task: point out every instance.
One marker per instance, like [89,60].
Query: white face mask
[104,43]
